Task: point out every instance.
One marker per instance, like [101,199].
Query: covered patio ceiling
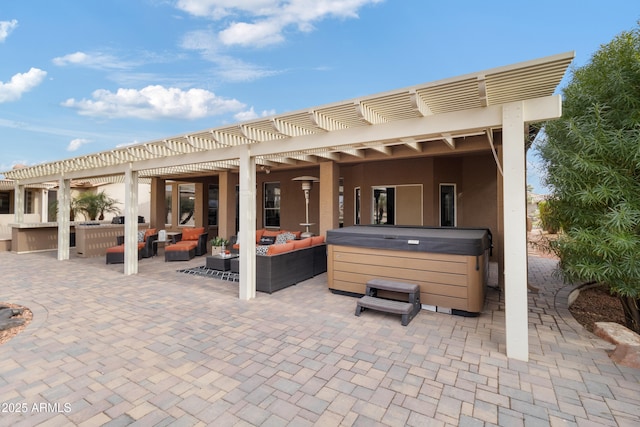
[378,125]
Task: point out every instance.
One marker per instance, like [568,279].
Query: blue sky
[78,77]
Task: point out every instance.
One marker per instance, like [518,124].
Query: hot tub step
[405,309]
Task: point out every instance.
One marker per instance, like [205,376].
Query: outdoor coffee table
[220,262]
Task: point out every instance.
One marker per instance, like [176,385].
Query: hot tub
[449,264]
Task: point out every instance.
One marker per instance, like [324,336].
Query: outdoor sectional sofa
[115,254]
[289,263]
[188,244]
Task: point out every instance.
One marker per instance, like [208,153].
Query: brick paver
[166,348]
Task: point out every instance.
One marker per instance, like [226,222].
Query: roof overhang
[431,116]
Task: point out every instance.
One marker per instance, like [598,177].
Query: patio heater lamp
[307,184]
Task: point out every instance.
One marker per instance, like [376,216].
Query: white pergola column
[515,232]
[18,203]
[44,205]
[247,239]
[63,218]
[130,222]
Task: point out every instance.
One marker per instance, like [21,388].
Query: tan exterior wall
[292,203]
[387,173]
[473,175]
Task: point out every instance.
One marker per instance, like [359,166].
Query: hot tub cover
[455,241]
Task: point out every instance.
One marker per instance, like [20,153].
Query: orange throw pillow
[279,249]
[317,240]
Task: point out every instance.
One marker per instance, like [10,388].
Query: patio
[166,348]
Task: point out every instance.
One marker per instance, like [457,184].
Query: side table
[160,243]
[217,262]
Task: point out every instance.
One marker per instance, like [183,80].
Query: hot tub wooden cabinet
[449,264]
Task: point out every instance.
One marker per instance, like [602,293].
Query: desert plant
[593,167]
[93,205]
[219,241]
[547,220]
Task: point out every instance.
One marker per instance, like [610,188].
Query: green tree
[92,205]
[592,155]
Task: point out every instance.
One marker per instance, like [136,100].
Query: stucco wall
[474,176]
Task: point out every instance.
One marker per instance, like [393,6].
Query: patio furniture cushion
[284,237]
[192,233]
[149,232]
[120,248]
[296,234]
[115,254]
[299,244]
[181,251]
[271,233]
[278,249]
[267,240]
[317,240]
[182,245]
[196,235]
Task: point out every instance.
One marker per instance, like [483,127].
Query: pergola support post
[64,221]
[131,222]
[329,196]
[18,203]
[515,232]
[247,240]
[226,205]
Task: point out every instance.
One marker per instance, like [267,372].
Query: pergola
[420,119]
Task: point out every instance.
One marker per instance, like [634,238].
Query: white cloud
[250,114]
[258,34]
[262,22]
[77,143]
[218,9]
[229,68]
[20,83]
[6,27]
[256,24]
[153,102]
[96,60]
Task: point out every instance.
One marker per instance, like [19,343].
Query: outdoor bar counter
[449,264]
[34,237]
[90,239]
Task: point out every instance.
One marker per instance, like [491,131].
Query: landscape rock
[627,351]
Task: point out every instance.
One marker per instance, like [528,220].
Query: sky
[79,77]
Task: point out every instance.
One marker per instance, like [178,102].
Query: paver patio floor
[167,348]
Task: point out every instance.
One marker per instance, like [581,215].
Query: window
[357,204]
[168,197]
[384,205]
[187,204]
[397,205]
[28,202]
[5,198]
[448,205]
[272,204]
[341,203]
[52,205]
[213,204]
